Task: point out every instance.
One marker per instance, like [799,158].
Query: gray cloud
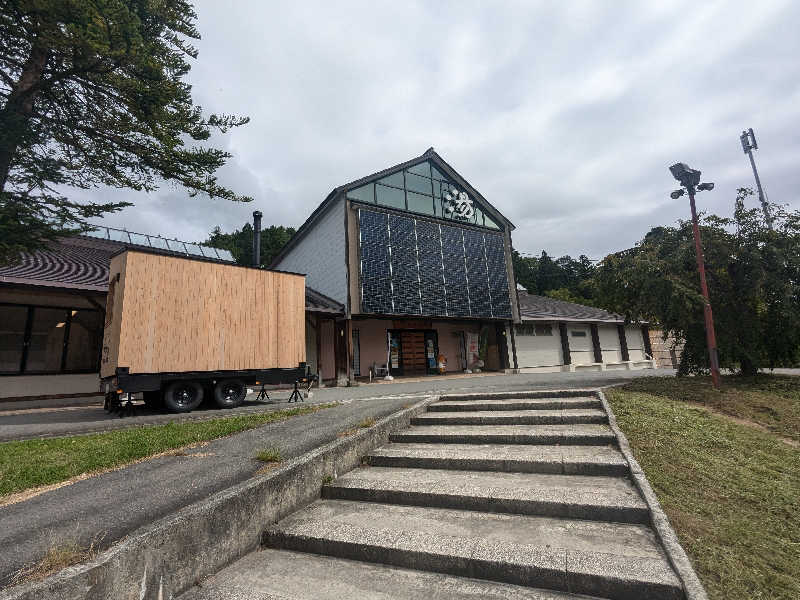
[565,116]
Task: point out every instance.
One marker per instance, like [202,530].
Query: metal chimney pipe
[257,238]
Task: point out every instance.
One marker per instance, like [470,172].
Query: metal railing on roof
[160,243]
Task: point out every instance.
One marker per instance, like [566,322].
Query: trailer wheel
[183,396]
[230,393]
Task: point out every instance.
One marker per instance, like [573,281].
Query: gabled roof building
[421,262]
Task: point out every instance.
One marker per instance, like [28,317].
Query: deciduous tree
[753,277]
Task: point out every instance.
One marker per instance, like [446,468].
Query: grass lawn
[33,463]
[731,490]
[772,401]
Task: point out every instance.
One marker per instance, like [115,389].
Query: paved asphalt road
[50,422]
[109,506]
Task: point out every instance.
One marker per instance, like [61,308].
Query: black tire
[230,393]
[152,399]
[183,396]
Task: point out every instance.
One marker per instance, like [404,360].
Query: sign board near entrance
[412,324]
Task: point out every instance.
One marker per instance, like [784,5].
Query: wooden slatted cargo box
[175,314]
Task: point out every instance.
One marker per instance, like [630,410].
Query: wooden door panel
[413,351]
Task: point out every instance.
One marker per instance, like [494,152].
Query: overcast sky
[565,115]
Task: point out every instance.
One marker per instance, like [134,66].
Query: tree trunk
[16,113]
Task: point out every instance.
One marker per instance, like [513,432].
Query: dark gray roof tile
[543,308]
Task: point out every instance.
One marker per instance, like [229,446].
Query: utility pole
[690,180]
[748,139]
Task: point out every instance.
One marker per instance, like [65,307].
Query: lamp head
[687,176]
[745,139]
[753,138]
[705,186]
[677,194]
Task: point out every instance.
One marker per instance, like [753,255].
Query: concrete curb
[545,393]
[669,540]
[163,559]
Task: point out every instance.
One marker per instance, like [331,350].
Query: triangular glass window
[390,196]
[424,189]
[440,187]
[422,168]
[416,183]
[395,179]
[364,193]
[437,174]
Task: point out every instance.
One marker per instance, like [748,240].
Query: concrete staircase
[524,498]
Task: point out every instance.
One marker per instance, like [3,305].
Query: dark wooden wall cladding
[173,314]
[414,266]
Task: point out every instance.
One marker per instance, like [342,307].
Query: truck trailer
[179,327]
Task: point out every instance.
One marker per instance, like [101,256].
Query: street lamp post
[690,180]
[748,139]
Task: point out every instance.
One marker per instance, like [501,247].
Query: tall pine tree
[92,92]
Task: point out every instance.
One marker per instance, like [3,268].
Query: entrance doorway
[412,352]
[418,349]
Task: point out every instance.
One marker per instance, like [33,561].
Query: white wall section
[538,350]
[609,343]
[320,254]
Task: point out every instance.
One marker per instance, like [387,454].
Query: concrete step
[515,404]
[519,458]
[610,560]
[512,417]
[575,496]
[578,434]
[282,574]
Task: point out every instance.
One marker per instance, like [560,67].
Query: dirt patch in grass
[749,423]
[28,465]
[731,491]
[770,401]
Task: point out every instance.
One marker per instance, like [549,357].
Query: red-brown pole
[711,338]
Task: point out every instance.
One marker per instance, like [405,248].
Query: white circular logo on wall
[459,204]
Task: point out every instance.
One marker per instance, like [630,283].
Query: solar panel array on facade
[413,266]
